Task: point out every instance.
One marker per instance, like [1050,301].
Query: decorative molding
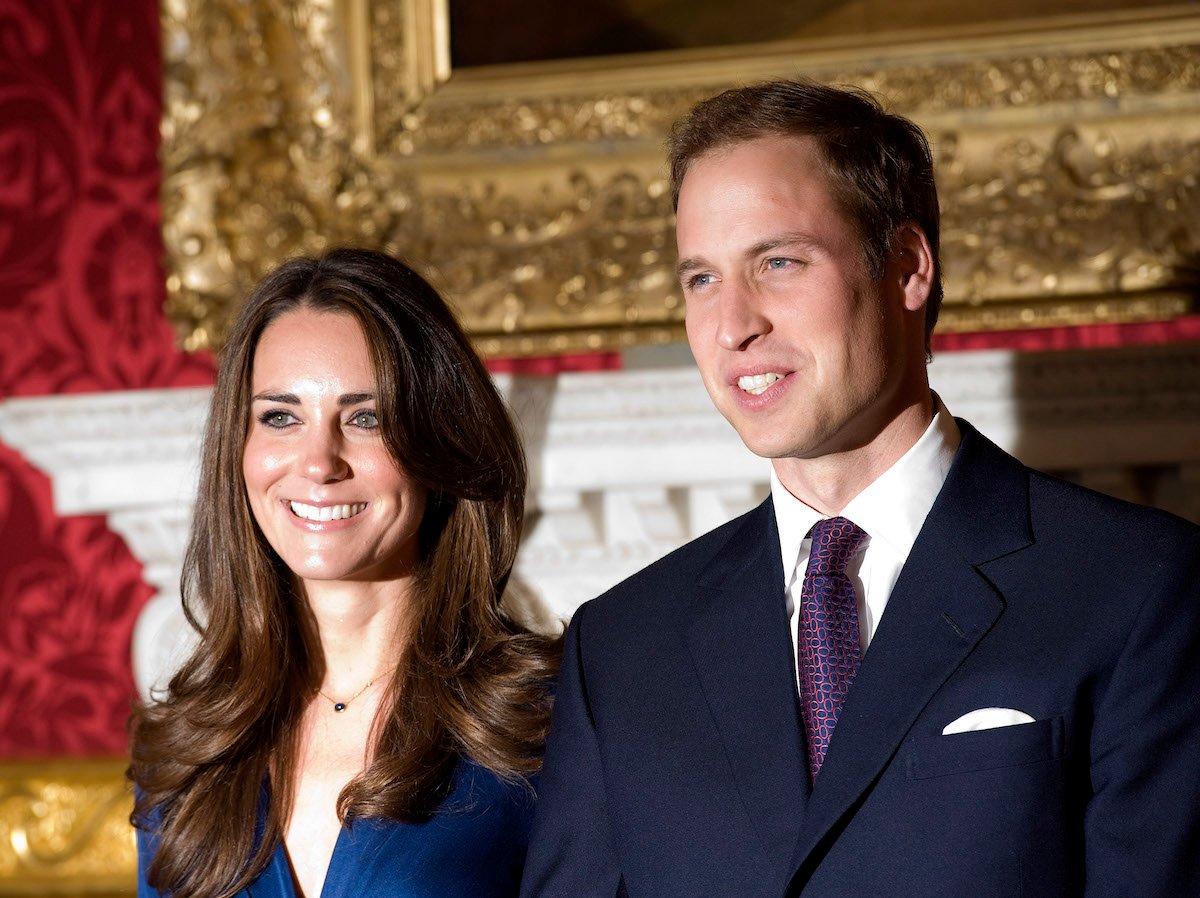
[409,49]
[535,194]
[936,77]
[625,466]
[64,829]
[123,450]
[132,455]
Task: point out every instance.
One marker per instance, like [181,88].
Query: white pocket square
[986,719]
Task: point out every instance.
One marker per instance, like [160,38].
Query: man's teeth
[757,383]
[326,512]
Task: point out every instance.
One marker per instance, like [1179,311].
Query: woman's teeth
[326,512]
[755,384]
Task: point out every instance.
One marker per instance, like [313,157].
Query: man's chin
[764,446]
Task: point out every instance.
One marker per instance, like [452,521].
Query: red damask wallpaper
[81,293]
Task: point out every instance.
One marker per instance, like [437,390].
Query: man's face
[802,350]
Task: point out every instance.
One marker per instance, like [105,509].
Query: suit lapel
[741,649]
[942,605]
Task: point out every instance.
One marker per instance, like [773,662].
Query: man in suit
[918,668]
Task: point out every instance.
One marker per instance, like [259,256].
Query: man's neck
[829,481]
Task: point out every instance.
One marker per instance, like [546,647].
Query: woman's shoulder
[476,789]
[473,846]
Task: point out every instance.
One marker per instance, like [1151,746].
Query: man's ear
[911,264]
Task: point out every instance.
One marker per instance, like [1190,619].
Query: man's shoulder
[1086,516]
[1079,513]
[667,587]
[1077,533]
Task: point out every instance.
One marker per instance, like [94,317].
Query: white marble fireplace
[627,465]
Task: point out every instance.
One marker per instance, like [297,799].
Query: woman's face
[327,494]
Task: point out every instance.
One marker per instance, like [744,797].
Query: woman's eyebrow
[282,398]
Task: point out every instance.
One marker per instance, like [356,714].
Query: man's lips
[758,381]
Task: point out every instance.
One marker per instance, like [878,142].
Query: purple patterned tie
[830,651]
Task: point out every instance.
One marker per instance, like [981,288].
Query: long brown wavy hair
[473,682]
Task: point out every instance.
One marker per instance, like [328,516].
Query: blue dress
[473,847]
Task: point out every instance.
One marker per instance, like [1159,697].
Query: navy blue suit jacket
[676,765]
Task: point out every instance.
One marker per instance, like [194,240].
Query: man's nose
[741,319]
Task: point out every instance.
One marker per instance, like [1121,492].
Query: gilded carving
[409,53]
[535,194]
[1078,212]
[601,250]
[518,121]
[920,89]
[64,829]
[259,153]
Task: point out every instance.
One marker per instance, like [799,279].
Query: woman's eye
[277,419]
[366,420]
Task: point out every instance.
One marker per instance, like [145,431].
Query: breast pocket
[1010,746]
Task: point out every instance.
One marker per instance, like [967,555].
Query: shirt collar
[892,508]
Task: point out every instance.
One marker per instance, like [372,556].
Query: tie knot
[834,540]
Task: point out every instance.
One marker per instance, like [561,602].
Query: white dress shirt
[891,510]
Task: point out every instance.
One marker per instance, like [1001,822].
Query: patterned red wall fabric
[80,310]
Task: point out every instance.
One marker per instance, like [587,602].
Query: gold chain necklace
[339,707]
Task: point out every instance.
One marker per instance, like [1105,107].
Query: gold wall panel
[535,194]
[64,829]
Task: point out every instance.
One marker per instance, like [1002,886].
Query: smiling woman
[324,488]
[362,714]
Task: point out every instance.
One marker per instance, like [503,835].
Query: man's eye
[277,419]
[366,420]
[778,263]
[700,280]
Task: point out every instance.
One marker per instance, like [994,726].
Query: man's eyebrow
[783,240]
[688,265]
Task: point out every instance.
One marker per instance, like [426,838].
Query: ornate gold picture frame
[64,829]
[535,194]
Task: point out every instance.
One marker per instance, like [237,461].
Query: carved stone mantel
[625,466]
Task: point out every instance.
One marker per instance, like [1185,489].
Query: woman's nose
[323,460]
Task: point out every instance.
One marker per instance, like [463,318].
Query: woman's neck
[362,628]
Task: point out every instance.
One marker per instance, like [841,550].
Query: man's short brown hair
[879,164]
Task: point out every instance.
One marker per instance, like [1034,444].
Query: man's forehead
[770,166]
[804,146]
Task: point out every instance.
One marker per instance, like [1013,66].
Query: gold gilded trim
[535,194]
[64,829]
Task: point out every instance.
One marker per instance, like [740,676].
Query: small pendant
[339,707]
